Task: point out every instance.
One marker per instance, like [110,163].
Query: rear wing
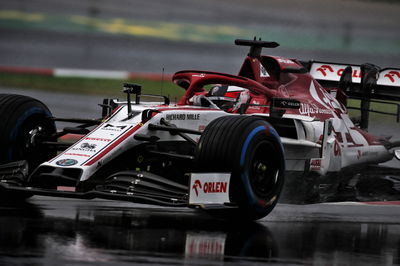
[365,82]
[383,84]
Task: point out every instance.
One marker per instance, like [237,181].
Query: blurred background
[147,36]
[139,36]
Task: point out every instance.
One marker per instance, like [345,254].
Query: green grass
[388,108]
[89,86]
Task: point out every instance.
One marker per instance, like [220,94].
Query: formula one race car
[225,147]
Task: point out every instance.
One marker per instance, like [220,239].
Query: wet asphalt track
[48,231]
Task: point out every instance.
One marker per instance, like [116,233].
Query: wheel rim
[264,169]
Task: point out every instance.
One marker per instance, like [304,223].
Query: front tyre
[25,123]
[251,150]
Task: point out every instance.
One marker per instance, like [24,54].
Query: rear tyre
[251,150]
[24,123]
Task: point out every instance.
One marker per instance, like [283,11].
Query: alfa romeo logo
[66,162]
[89,146]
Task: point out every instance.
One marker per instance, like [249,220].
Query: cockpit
[225,97]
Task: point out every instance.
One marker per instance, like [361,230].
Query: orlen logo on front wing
[209,188]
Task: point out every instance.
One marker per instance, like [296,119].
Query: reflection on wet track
[47,231]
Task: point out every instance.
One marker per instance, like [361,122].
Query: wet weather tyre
[249,148]
[24,121]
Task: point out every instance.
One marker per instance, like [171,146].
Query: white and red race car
[225,147]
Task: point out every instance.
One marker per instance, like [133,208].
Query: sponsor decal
[76,154]
[315,164]
[392,76]
[105,149]
[89,147]
[111,127]
[286,61]
[66,162]
[93,144]
[98,139]
[197,185]
[285,103]
[356,73]
[326,70]
[210,188]
[215,187]
[65,188]
[311,109]
[182,116]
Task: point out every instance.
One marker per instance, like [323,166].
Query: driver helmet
[228,97]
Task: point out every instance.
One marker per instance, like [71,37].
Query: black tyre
[251,150]
[24,123]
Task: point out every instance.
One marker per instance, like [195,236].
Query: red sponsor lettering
[215,187]
[210,247]
[98,139]
[324,68]
[209,187]
[65,188]
[77,154]
[197,184]
[391,76]
[315,164]
[356,73]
